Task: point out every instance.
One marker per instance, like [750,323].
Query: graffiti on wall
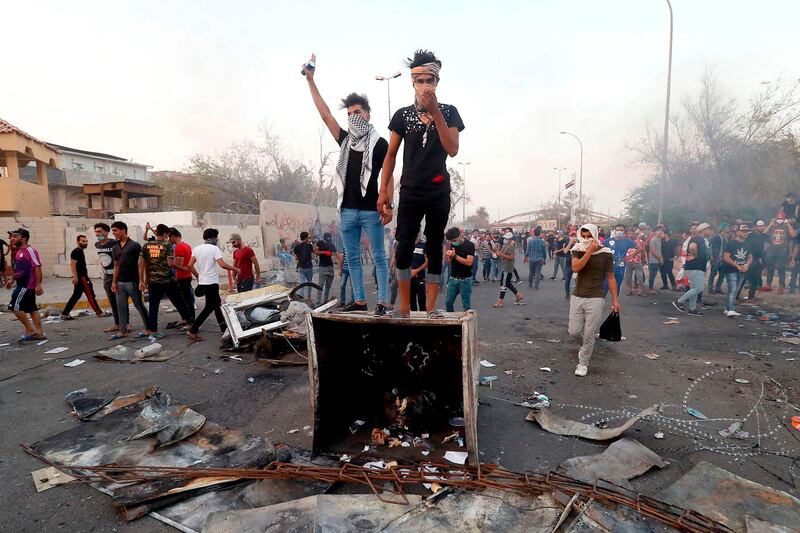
[287,220]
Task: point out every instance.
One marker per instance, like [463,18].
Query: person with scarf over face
[594,263]
[361,154]
[430,132]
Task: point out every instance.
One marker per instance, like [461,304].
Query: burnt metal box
[360,364]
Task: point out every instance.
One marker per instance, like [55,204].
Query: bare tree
[458,192]
[726,160]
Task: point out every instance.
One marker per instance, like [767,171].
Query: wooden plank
[313,378]
[469,372]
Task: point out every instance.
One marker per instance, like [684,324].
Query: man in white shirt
[203,263]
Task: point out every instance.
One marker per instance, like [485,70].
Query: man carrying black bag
[593,263]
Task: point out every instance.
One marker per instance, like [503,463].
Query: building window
[76,165]
[99,168]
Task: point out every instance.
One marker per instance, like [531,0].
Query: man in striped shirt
[28,274]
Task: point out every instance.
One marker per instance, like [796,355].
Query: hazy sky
[158,81]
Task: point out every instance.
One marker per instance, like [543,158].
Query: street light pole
[558,201]
[665,147]
[580,178]
[464,193]
[388,79]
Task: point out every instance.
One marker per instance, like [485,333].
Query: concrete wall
[228,219]
[170,218]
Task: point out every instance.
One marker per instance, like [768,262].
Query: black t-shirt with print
[327,260]
[79,257]
[304,252]
[459,270]
[739,252]
[351,197]
[424,157]
[106,256]
[700,260]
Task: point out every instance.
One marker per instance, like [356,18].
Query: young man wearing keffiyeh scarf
[594,263]
[361,155]
[430,132]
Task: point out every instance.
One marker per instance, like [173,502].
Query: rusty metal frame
[463,477]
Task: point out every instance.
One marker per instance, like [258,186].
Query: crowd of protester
[163,265]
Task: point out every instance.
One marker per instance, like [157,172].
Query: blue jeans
[343,288]
[495,268]
[697,280]
[285,258]
[305,275]
[445,272]
[567,266]
[354,222]
[619,275]
[734,279]
[456,286]
[534,271]
[474,267]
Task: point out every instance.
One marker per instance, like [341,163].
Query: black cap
[22,231]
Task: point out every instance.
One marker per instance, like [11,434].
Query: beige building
[18,151]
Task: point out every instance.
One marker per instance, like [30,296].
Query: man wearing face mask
[80,281]
[105,256]
[461,257]
[619,245]
[361,155]
[594,264]
[430,131]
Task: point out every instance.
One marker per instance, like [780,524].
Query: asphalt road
[693,369]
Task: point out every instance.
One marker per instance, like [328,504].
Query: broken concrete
[729,499]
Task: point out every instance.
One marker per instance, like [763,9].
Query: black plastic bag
[611,330]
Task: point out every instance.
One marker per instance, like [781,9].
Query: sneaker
[66,317]
[765,289]
[581,370]
[694,313]
[731,314]
[381,310]
[679,306]
[780,290]
[353,306]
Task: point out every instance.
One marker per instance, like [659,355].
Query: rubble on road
[150,428]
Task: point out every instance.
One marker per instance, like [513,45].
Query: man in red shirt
[244,258]
[183,273]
